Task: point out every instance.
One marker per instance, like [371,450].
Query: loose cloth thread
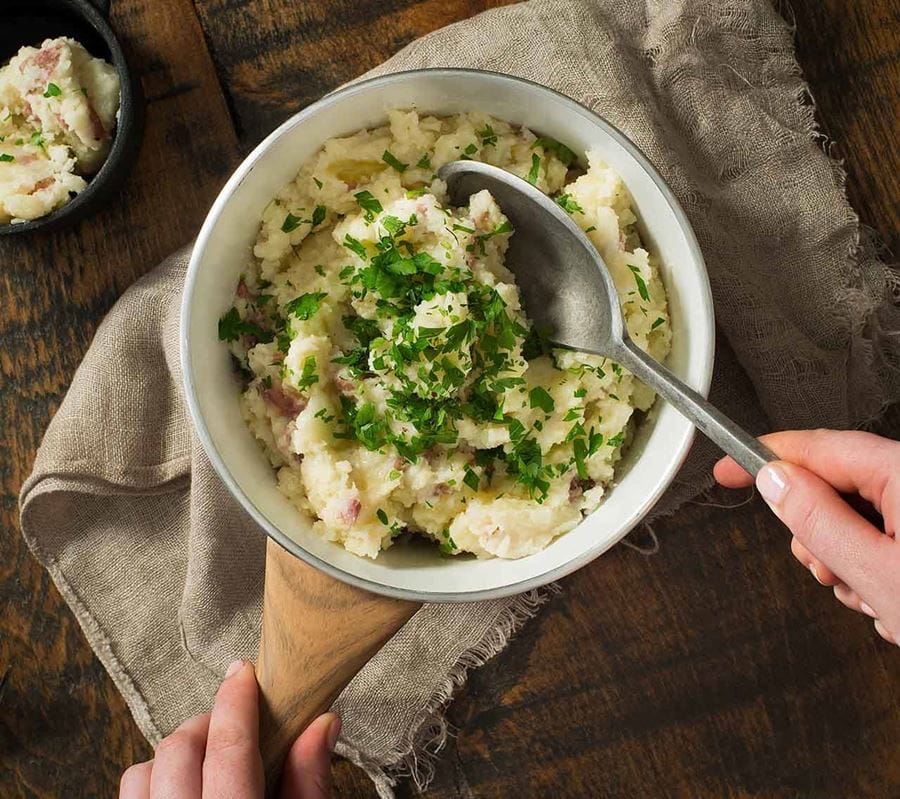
[164,571]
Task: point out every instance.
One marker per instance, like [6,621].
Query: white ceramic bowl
[223,249]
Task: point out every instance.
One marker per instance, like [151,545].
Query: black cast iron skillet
[29,22]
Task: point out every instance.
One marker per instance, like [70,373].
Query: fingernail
[772,484]
[812,568]
[867,610]
[234,668]
[334,730]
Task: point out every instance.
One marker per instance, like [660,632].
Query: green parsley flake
[472,480]
[354,245]
[539,398]
[368,203]
[232,327]
[308,375]
[448,545]
[560,150]
[569,204]
[382,517]
[641,285]
[291,223]
[318,216]
[52,90]
[424,162]
[657,322]
[6,158]
[488,137]
[305,306]
[535,168]
[318,183]
[391,160]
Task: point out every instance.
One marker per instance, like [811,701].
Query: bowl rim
[221,467]
[126,139]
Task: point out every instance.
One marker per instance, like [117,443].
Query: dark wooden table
[716,669]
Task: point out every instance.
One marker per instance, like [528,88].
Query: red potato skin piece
[242,291]
[577,487]
[343,385]
[351,513]
[287,403]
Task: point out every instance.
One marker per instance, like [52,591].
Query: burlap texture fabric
[164,571]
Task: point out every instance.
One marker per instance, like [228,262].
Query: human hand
[216,755]
[831,539]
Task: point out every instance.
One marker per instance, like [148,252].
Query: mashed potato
[391,373]
[58,109]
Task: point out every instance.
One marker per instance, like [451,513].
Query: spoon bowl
[569,295]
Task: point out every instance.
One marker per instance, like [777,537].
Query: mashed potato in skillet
[391,373]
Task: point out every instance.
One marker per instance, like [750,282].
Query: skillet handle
[102,6]
[317,633]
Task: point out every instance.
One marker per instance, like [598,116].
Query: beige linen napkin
[164,571]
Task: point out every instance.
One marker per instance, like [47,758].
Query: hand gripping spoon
[568,291]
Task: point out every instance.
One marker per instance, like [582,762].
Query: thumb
[307,769]
[828,527]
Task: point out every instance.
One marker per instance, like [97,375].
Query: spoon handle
[715,425]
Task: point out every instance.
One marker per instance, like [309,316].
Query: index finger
[232,768]
[849,460]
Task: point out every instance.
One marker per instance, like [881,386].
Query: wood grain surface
[716,669]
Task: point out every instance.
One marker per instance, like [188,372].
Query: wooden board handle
[317,633]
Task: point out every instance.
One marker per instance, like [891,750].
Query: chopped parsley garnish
[232,327]
[590,229]
[616,440]
[355,245]
[581,392]
[539,398]
[417,192]
[424,162]
[560,150]
[306,305]
[318,183]
[366,200]
[37,139]
[488,137]
[52,90]
[448,545]
[291,223]
[382,517]
[308,375]
[6,157]
[323,414]
[389,158]
[471,149]
[641,285]
[463,228]
[535,168]
[580,450]
[472,480]
[568,203]
[318,216]
[319,270]
[657,322]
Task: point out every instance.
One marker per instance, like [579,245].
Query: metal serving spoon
[568,291]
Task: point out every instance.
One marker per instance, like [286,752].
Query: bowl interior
[28,23]
[224,248]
